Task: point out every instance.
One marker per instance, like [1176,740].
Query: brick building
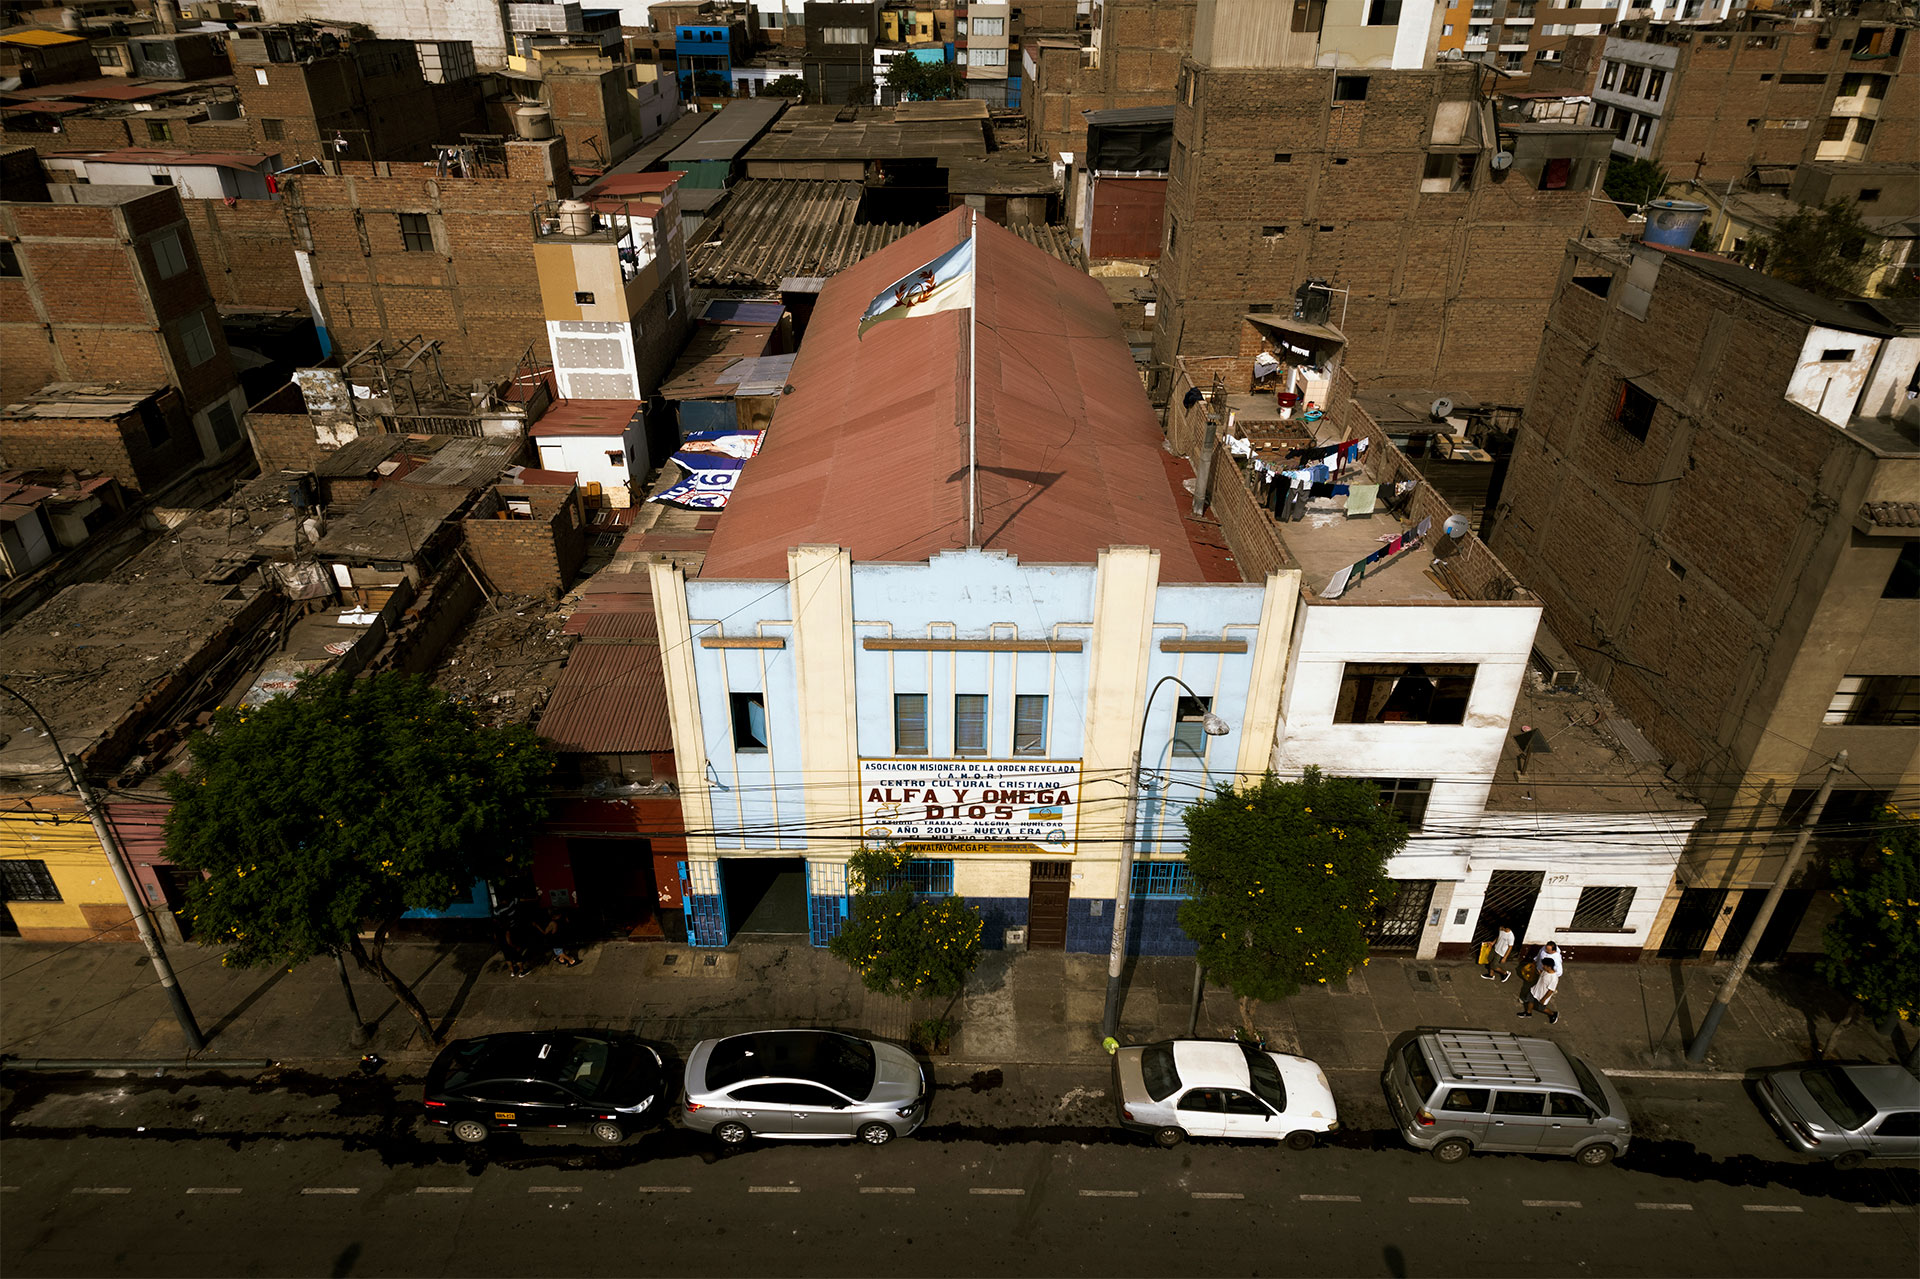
[1349,156]
[1131,58]
[403,250]
[139,435]
[1715,492]
[105,284]
[528,537]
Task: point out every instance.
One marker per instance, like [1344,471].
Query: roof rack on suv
[1486,1055]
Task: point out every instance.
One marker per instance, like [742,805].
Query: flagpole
[973,232]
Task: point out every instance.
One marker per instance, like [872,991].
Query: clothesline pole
[973,232]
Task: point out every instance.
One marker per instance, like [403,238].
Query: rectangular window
[988,57]
[1609,74]
[1556,172]
[1350,88]
[989,26]
[106,56]
[1162,879]
[1836,130]
[749,721]
[909,723]
[1634,411]
[1656,81]
[1189,733]
[159,131]
[27,881]
[1869,195]
[9,261]
[1029,724]
[1817,79]
[1903,583]
[1847,812]
[1862,132]
[273,130]
[169,259]
[1602,910]
[1406,796]
[195,342]
[1383,13]
[1642,130]
[1412,693]
[161,179]
[1622,122]
[1446,171]
[416,233]
[970,724]
[930,878]
[1630,80]
[1880,700]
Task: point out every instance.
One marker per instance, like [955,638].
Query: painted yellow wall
[59,834]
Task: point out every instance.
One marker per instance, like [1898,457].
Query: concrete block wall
[527,556]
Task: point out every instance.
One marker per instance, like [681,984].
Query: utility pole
[1697,1051]
[142,922]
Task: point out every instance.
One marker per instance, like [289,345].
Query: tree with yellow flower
[1286,877]
[335,809]
[1872,944]
[902,939]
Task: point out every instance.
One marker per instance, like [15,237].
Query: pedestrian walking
[1541,993]
[1495,960]
[511,926]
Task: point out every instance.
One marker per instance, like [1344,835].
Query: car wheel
[1169,1137]
[1598,1155]
[608,1132]
[1849,1161]
[470,1131]
[1302,1140]
[1452,1150]
[876,1134]
[732,1134]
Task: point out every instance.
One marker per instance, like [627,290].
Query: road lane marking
[773,1190]
[1218,1194]
[330,1190]
[1109,1194]
[1883,1208]
[443,1190]
[886,1190]
[1332,1199]
[103,1190]
[664,1190]
[995,1190]
[556,1190]
[1551,1203]
[1675,1074]
[1434,1199]
[213,1190]
[1665,1207]
[1773,1207]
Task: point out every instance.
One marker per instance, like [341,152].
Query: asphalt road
[1016,1174]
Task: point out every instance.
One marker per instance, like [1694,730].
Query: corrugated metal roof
[245,161]
[731,131]
[771,228]
[585,417]
[1068,447]
[1131,115]
[612,696]
[710,352]
[656,148]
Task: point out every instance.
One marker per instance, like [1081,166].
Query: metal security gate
[826,900]
[1509,900]
[1693,919]
[1403,918]
[704,903]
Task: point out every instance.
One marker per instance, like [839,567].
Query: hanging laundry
[1191,398]
[1360,499]
[1425,526]
[1393,547]
[1239,447]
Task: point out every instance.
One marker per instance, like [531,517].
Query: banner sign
[976,802]
[710,480]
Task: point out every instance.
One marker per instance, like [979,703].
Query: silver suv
[799,1085]
[1453,1092]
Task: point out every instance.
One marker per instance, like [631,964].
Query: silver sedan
[801,1085]
[1217,1088]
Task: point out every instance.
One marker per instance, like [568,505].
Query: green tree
[917,81]
[785,86]
[901,943]
[1872,945]
[338,807]
[1634,181]
[1821,248]
[1286,878]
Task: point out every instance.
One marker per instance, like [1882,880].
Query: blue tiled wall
[1153,927]
[1087,933]
[825,917]
[997,913]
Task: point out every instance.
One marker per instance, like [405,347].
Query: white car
[1184,1088]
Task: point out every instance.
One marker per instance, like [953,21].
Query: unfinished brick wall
[141,450]
[535,554]
[473,290]
[1142,42]
[389,117]
[247,253]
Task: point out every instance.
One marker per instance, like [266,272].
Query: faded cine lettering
[976,803]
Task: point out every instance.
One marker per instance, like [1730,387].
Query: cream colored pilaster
[820,587]
[669,586]
[1266,682]
[1127,580]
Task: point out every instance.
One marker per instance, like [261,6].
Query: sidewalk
[99,1001]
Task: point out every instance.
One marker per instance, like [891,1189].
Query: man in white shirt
[1497,956]
[1543,990]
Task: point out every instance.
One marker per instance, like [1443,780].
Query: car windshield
[1266,1078]
[1589,1084]
[1156,1068]
[841,1062]
[1838,1096]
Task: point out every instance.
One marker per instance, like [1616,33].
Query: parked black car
[601,1082]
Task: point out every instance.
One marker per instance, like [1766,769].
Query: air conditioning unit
[1556,668]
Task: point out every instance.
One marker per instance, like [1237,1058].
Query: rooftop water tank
[576,217]
[1673,222]
[533,124]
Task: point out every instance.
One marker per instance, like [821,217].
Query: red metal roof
[242,160]
[113,90]
[585,417]
[612,697]
[869,452]
[534,477]
[636,183]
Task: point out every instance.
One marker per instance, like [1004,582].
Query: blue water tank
[1673,222]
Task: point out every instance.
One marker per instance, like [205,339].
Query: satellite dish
[1502,160]
[1456,527]
[1440,409]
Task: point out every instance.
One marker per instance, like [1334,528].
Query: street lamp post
[1213,726]
[142,923]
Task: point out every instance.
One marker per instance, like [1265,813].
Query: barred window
[1602,910]
[1162,879]
[27,881]
[930,878]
